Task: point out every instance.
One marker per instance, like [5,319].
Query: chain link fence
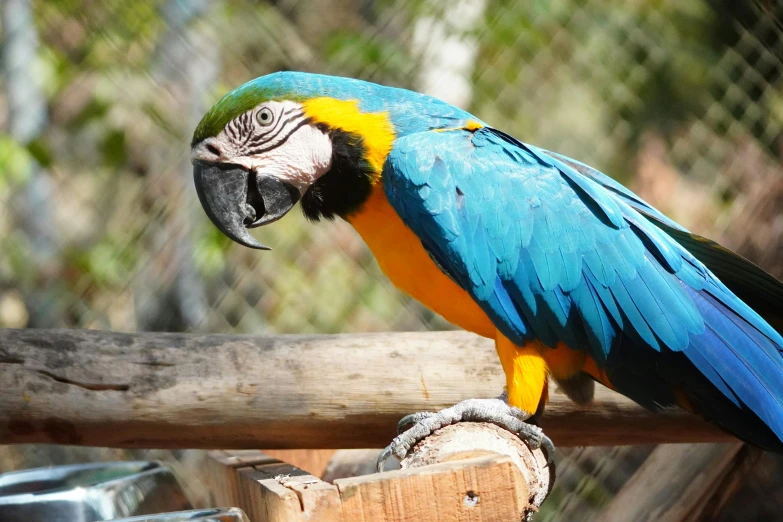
[682,100]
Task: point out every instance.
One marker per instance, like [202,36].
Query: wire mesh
[100,227]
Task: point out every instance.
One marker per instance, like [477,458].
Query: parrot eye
[265,117]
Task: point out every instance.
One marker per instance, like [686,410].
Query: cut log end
[468,440]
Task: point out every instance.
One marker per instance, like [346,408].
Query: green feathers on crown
[229,107]
[236,102]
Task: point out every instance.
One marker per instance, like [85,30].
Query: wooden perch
[293,391]
[465,472]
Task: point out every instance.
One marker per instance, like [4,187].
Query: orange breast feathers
[403,259]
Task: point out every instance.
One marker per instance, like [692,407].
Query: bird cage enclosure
[100,227]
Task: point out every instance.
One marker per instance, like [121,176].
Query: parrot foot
[415,427]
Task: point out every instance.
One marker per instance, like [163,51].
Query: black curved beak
[236,199]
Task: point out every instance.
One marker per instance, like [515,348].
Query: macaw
[574,276]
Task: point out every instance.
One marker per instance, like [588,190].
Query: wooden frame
[195,391]
[487,488]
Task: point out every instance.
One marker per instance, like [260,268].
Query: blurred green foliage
[15,162]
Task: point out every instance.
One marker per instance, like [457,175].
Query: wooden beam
[680,483]
[222,473]
[155,390]
[484,488]
[284,493]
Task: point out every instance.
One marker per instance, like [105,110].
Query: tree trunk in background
[186,63]
[202,73]
[32,206]
[448,51]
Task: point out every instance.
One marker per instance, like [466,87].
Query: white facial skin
[273,139]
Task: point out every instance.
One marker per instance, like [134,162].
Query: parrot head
[297,137]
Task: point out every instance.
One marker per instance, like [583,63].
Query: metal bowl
[196,515]
[89,492]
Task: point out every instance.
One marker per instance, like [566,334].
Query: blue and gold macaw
[571,274]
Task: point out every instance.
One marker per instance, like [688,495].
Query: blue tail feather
[730,372]
[745,373]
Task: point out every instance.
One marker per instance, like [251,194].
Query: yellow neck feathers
[374,127]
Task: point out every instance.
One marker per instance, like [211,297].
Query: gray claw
[549,449]
[535,438]
[383,457]
[408,421]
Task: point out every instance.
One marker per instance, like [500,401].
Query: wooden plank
[318,500]
[675,484]
[738,473]
[263,499]
[486,488]
[222,476]
[490,487]
[152,390]
[743,494]
[313,460]
[221,480]
[269,490]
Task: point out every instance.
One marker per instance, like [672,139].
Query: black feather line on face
[347,185]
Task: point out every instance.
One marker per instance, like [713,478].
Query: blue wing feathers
[749,282]
[555,251]
[608,183]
